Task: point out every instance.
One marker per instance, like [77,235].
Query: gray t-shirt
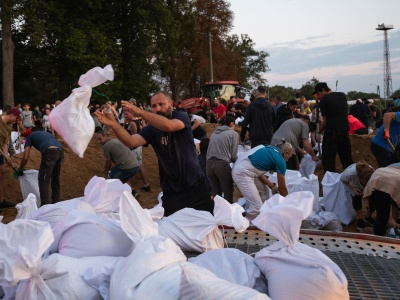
[293,131]
[27,118]
[119,154]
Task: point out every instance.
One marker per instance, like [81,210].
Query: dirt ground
[76,172]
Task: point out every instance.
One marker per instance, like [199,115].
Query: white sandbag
[192,230]
[22,243]
[26,207]
[294,270]
[29,184]
[198,118]
[54,213]
[150,254]
[230,215]
[104,194]
[199,283]
[296,183]
[71,119]
[331,221]
[60,277]
[234,266]
[82,234]
[337,198]
[324,220]
[307,166]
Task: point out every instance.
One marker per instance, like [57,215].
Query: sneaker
[145,188]
[361,224]
[370,220]
[6,204]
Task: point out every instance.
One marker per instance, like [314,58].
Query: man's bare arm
[157,121]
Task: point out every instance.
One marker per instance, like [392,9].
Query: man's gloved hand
[386,135]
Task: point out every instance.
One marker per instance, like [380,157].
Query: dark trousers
[336,143]
[197,196]
[382,202]
[255,143]
[383,157]
[50,168]
[220,178]
[291,164]
[243,133]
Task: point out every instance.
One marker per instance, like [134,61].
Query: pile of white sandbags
[74,250]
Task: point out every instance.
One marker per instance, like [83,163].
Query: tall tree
[7,13]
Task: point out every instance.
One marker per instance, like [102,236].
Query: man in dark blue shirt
[169,133]
[50,165]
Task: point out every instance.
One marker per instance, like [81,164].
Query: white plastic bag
[104,194]
[26,207]
[230,215]
[199,283]
[150,254]
[54,213]
[71,119]
[60,277]
[336,198]
[192,230]
[232,265]
[296,183]
[307,166]
[22,243]
[294,270]
[29,184]
[82,234]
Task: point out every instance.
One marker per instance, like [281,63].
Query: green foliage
[396,93]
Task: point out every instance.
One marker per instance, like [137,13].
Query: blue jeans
[123,175]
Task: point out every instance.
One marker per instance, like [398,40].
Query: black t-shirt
[334,107]
[179,166]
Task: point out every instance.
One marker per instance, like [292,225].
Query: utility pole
[210,55]
[387,75]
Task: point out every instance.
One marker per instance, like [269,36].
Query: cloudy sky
[327,39]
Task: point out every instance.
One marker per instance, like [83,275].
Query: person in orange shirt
[356,126]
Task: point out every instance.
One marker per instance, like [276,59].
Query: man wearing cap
[12,116]
[169,132]
[50,165]
[335,125]
[294,131]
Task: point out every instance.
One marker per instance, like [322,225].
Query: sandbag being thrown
[71,119]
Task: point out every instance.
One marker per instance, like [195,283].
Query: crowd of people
[279,133]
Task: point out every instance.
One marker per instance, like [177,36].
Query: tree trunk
[8,62]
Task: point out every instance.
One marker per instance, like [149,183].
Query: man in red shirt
[219,111]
